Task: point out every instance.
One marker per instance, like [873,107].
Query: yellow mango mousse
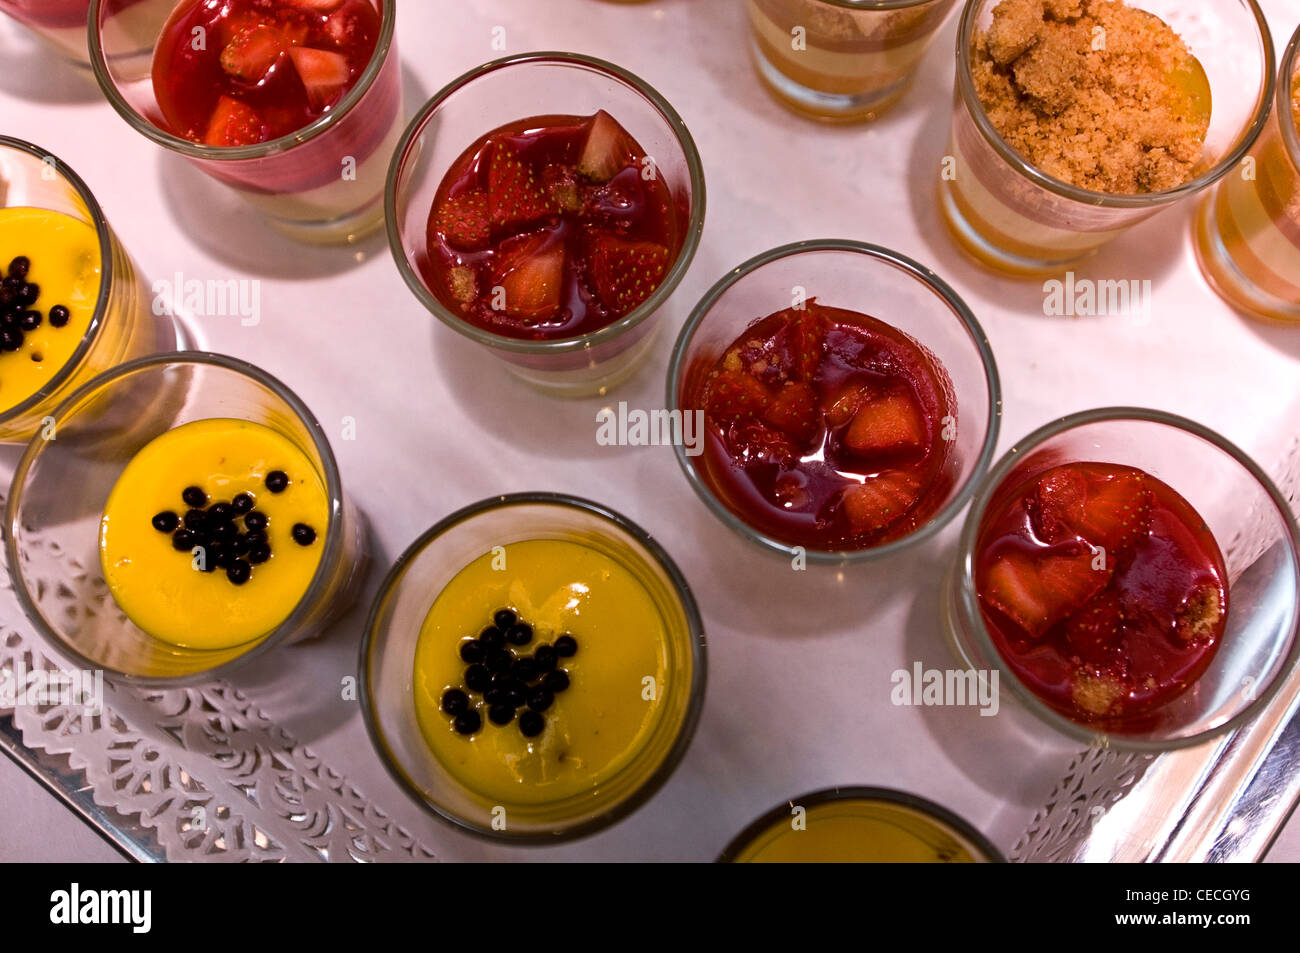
[159,586]
[64,258]
[596,726]
[857,830]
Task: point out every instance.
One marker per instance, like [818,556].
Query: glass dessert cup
[63,485]
[860,825]
[1011,216]
[1247,230]
[322,183]
[841,60]
[121,324]
[1242,510]
[872,281]
[61,24]
[391,684]
[503,92]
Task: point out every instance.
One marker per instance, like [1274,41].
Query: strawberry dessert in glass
[552,213]
[851,422]
[551,227]
[1091,574]
[295,103]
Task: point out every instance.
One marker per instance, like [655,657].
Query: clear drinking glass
[860,825]
[322,183]
[52,520]
[122,326]
[1247,515]
[841,60]
[1247,229]
[60,23]
[544,84]
[870,280]
[1011,216]
[393,630]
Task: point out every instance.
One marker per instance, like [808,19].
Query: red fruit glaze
[550,228]
[278,64]
[825,429]
[1103,590]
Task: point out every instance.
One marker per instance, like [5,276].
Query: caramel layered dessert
[832,62]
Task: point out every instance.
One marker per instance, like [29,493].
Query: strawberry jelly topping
[551,227]
[1103,589]
[826,429]
[239,72]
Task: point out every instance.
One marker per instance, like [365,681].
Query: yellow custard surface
[857,830]
[595,727]
[65,257]
[157,586]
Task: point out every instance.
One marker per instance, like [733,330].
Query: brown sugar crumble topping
[1095,93]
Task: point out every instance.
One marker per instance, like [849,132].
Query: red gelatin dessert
[1103,590]
[827,429]
[551,227]
[240,72]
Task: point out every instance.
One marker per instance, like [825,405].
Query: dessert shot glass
[871,280]
[392,632]
[1255,531]
[541,84]
[905,828]
[1247,230]
[123,325]
[1013,217]
[323,183]
[52,517]
[841,60]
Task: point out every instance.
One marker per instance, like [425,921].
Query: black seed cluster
[216,527]
[18,313]
[508,680]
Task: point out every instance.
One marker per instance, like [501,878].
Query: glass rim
[658,297]
[945,292]
[967,600]
[1286,83]
[333,535]
[104,236]
[695,699]
[893,796]
[259,150]
[971,100]
[866,6]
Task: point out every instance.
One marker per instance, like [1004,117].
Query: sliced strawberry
[233,124]
[514,196]
[794,411]
[324,73]
[464,220]
[734,396]
[1036,594]
[881,501]
[886,425]
[813,326]
[844,403]
[609,149]
[626,273]
[530,269]
[1094,633]
[317,6]
[759,443]
[1057,503]
[252,53]
[1116,514]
